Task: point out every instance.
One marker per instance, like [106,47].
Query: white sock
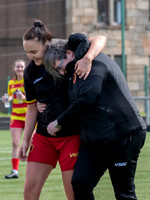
[16,171]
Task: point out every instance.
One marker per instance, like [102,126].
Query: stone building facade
[92,17]
[84,17]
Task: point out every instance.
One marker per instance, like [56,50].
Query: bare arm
[29,128]
[9,98]
[83,66]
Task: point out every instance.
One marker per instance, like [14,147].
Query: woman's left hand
[83,67]
[51,129]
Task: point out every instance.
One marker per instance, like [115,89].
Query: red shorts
[17,124]
[50,150]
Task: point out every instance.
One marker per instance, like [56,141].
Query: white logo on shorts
[123,164]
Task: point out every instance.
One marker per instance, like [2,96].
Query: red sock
[15,163]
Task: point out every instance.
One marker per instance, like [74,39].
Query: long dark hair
[38,31]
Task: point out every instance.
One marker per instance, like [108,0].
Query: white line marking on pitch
[5,158]
[2,148]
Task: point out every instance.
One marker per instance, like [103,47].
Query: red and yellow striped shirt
[18,109]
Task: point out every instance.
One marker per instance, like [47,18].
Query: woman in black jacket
[112,130]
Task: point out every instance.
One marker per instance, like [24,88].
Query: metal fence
[147,108]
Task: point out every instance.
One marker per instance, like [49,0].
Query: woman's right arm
[30,123]
[9,92]
[83,66]
[4,99]
[85,49]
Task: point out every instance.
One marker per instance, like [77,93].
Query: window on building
[118,60]
[117,11]
[109,12]
[103,11]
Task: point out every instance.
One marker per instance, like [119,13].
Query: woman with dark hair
[17,123]
[41,87]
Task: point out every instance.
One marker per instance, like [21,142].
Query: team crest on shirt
[74,78]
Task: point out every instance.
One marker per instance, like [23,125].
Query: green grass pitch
[53,188]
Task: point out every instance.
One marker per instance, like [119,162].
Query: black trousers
[119,157]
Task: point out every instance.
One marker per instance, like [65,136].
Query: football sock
[15,164]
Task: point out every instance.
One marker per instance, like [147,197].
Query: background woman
[17,123]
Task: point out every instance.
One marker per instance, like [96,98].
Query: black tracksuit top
[102,102]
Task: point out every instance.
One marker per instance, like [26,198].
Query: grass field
[53,189]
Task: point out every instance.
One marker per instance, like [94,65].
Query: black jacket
[103,103]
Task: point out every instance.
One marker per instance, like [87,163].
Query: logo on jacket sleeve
[74,78]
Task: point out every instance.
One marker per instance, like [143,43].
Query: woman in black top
[45,151]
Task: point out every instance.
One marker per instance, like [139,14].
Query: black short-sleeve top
[40,86]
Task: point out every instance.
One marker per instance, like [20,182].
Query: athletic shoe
[12,175]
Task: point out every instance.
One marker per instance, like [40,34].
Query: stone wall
[137,37]
[64,17]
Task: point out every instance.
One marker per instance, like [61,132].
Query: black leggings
[120,158]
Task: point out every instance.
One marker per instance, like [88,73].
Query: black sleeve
[89,90]
[79,44]
[28,83]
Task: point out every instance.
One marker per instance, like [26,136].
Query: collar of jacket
[70,67]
